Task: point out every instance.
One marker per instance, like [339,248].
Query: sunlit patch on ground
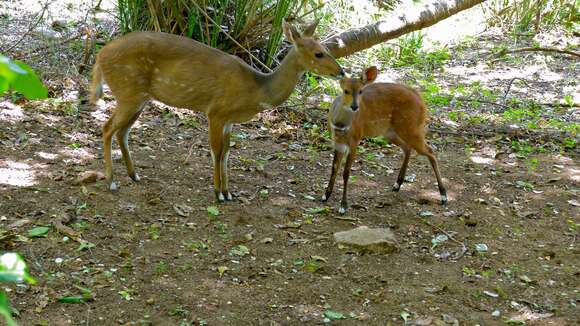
[47,156]
[10,112]
[77,155]
[17,174]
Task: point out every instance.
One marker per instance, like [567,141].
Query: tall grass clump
[255,25]
[532,15]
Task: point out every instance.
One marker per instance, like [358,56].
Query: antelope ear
[309,30]
[369,75]
[291,32]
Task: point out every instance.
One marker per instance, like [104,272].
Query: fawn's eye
[319,55]
[360,92]
[346,92]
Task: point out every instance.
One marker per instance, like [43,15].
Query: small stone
[267,240]
[491,294]
[366,239]
[150,301]
[496,313]
[481,247]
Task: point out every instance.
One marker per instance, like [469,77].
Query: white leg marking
[227,129]
[343,148]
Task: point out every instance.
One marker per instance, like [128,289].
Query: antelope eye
[346,92]
[360,92]
[319,55]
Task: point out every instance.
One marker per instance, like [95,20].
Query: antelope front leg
[335,166]
[227,130]
[216,142]
[345,176]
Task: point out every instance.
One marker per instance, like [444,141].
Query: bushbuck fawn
[181,72]
[380,109]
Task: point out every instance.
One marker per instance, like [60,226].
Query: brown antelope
[181,72]
[381,109]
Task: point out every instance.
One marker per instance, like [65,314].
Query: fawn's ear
[290,32]
[369,75]
[309,30]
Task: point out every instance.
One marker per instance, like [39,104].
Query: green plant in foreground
[21,78]
[12,269]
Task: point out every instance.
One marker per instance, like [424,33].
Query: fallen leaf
[38,232]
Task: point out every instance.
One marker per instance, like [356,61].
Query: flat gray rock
[363,238]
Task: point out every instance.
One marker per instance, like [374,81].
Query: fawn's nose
[354,106]
[341,73]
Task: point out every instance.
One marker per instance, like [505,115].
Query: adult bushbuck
[380,109]
[181,72]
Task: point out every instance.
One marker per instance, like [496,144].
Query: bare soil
[148,264]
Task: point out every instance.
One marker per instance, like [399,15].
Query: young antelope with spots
[181,72]
[394,111]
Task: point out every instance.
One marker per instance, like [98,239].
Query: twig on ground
[32,27]
[463,246]
[89,46]
[37,51]
[510,86]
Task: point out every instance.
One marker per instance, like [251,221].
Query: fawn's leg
[338,156]
[395,139]
[345,176]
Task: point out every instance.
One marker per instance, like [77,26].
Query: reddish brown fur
[382,109]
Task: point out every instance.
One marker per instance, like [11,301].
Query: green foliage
[409,52]
[21,78]
[12,269]
[525,15]
[257,25]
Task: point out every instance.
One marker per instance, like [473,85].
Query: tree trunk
[356,40]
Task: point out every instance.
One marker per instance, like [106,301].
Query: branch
[534,49]
[32,26]
[356,40]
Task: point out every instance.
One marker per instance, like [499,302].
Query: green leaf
[76,299]
[333,314]
[85,246]
[213,211]
[405,315]
[13,269]
[6,310]
[38,232]
[29,84]
[222,270]
[21,78]
[312,267]
[240,250]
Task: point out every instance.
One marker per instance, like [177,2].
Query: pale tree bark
[404,22]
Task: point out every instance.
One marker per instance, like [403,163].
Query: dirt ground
[160,258]
[503,251]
